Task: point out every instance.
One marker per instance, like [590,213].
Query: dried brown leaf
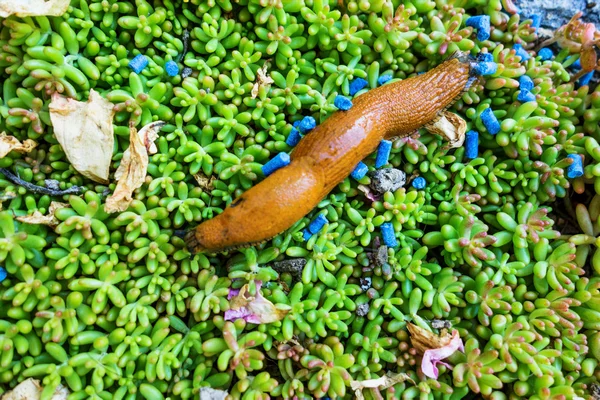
[261,80]
[85,132]
[205,183]
[31,389]
[380,383]
[132,170]
[423,340]
[253,309]
[11,143]
[37,218]
[33,8]
[451,127]
[149,134]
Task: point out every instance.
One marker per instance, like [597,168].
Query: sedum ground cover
[501,249]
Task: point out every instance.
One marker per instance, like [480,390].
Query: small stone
[187,71]
[387,180]
[207,393]
[292,265]
[362,309]
[441,324]
[365,283]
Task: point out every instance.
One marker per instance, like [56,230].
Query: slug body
[328,154]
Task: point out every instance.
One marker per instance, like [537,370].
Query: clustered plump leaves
[502,247]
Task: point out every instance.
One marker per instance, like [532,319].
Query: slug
[329,153]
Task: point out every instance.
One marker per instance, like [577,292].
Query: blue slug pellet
[296,124]
[360,171]
[575,170]
[419,183]
[485,57]
[357,85]
[585,80]
[389,237]
[293,138]
[472,144]
[521,52]
[138,63]
[485,68]
[525,96]
[383,153]
[279,161]
[482,24]
[307,124]
[383,79]
[545,54]
[317,224]
[490,121]
[342,103]
[576,64]
[306,234]
[525,83]
[3,274]
[172,68]
[536,21]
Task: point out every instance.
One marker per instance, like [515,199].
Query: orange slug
[329,153]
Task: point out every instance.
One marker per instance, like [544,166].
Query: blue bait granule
[482,24]
[525,83]
[138,63]
[357,85]
[279,161]
[419,183]
[307,124]
[317,224]
[172,68]
[306,234]
[575,170]
[525,96]
[296,124]
[383,153]
[490,121]
[383,79]
[360,171]
[521,52]
[342,103]
[3,274]
[546,54]
[389,237]
[537,21]
[576,64]
[472,144]
[485,57]
[293,138]
[585,80]
[485,68]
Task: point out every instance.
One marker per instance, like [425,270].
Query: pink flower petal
[432,357]
[232,293]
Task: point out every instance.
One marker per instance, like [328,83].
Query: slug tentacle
[329,153]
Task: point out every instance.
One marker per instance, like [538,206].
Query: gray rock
[207,393]
[556,13]
[387,180]
[362,309]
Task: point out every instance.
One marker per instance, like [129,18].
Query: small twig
[39,189]
[186,40]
